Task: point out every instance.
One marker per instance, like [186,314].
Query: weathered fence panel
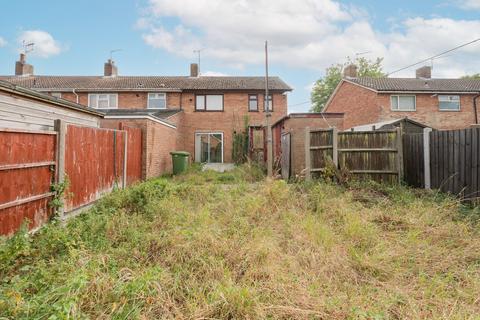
[134,154]
[27,162]
[373,155]
[94,163]
[285,156]
[454,165]
[413,159]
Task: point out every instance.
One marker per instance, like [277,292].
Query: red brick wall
[227,121]
[127,100]
[427,112]
[297,126]
[363,106]
[358,104]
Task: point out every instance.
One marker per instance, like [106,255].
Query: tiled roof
[143,83]
[413,84]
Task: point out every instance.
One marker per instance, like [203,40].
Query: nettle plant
[59,190]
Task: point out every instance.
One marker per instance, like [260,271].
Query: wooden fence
[94,160]
[451,161]
[373,155]
[27,170]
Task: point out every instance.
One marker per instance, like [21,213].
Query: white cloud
[3,42]
[44,44]
[309,34]
[213,74]
[470,4]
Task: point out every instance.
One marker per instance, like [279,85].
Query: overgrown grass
[235,246]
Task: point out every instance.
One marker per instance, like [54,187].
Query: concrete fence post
[61,129]
[308,173]
[399,143]
[426,157]
[335,147]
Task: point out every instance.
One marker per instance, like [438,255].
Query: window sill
[449,110]
[208,110]
[253,111]
[403,110]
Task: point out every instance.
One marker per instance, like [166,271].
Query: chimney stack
[424,72]
[22,68]
[194,70]
[110,69]
[350,71]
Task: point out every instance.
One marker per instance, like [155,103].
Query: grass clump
[238,246]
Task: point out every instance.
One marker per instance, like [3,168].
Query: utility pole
[267,118]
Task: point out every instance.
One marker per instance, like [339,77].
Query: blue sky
[157,37]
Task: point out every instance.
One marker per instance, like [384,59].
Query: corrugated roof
[414,84]
[142,83]
[161,114]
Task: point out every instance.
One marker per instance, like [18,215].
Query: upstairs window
[403,103]
[209,102]
[252,102]
[157,101]
[56,94]
[270,103]
[103,100]
[448,103]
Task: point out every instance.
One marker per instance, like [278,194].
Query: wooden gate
[285,156]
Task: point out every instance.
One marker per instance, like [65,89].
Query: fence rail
[371,154]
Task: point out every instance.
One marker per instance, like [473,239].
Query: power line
[435,56]
[299,104]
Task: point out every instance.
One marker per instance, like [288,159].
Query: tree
[473,76]
[323,88]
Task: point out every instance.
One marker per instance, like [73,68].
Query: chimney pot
[193,70]
[22,68]
[110,69]
[350,71]
[424,72]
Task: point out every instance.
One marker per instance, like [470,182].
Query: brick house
[193,113]
[438,103]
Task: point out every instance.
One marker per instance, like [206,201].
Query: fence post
[335,146]
[400,153]
[61,128]
[125,159]
[426,157]
[308,174]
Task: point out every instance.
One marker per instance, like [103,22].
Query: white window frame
[156,93]
[269,103]
[398,102]
[209,134]
[449,95]
[103,93]
[205,104]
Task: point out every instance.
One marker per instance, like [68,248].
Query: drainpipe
[475,107]
[76,95]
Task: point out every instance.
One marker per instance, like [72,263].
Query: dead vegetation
[191,248]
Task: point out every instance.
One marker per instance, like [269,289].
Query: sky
[159,37]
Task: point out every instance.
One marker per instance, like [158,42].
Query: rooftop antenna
[113,51]
[27,46]
[198,52]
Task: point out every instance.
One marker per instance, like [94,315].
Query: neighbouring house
[194,113]
[438,103]
[295,124]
